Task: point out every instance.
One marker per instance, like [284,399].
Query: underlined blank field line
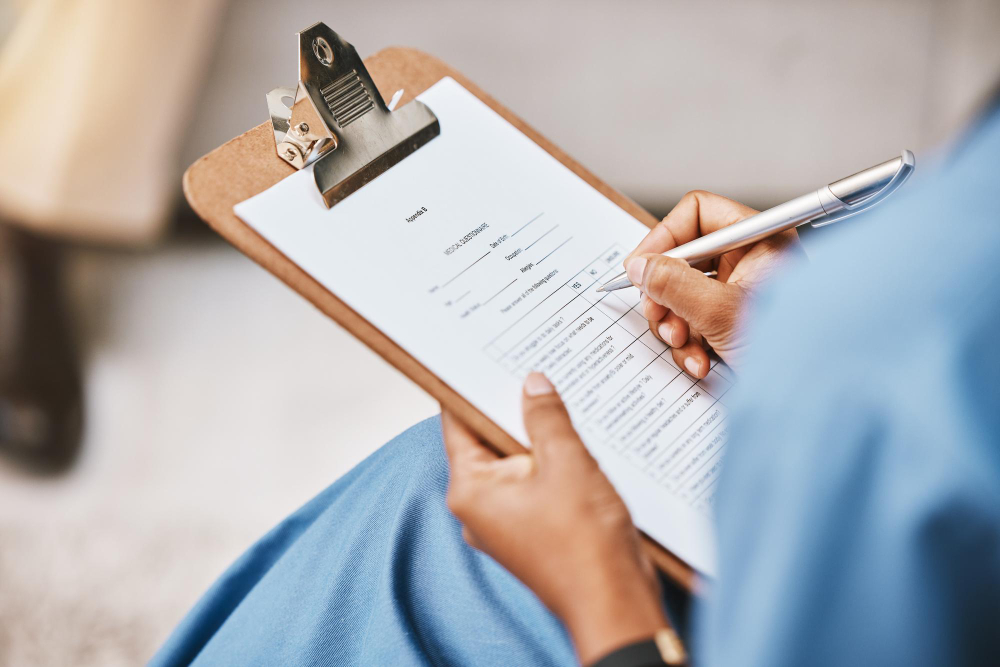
[500,292]
[528,223]
[463,296]
[553,250]
[466,268]
[540,238]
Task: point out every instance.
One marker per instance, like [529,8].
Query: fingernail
[634,270]
[665,332]
[537,384]
[692,366]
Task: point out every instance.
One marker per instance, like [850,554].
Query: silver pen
[831,203]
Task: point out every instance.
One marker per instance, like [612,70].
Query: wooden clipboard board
[248,165]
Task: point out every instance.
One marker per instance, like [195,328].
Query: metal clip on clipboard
[336,118]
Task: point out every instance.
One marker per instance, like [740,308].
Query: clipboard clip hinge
[336,118]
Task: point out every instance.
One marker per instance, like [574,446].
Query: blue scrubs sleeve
[859,511]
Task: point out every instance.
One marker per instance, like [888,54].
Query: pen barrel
[755,228]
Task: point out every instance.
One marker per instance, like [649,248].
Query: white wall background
[759,100]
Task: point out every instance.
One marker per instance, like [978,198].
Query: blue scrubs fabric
[373,571]
[859,513]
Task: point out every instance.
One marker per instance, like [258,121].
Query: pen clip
[907,164]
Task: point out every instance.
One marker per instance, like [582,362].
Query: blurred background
[163,401]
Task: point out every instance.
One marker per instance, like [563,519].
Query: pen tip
[600,289]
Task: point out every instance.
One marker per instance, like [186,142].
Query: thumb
[548,423]
[711,307]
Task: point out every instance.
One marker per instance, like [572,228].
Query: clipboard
[250,164]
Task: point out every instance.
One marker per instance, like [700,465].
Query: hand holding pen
[684,306]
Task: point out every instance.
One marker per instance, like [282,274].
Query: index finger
[697,213]
[462,446]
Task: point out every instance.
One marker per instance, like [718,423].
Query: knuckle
[657,275]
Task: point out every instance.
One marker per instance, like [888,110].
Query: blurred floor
[217,402]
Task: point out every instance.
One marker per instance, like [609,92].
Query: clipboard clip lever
[337,120]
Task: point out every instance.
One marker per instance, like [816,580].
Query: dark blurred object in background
[40,395]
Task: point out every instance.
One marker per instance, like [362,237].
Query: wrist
[610,617]
[594,642]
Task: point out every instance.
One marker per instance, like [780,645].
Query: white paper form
[480,255]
